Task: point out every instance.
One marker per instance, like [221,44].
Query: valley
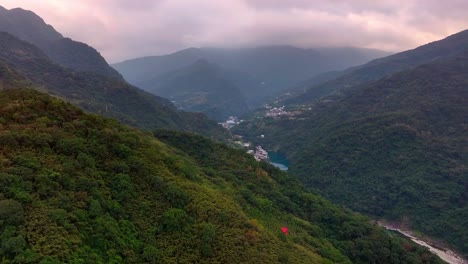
[395,148]
[233,132]
[227,82]
[83,187]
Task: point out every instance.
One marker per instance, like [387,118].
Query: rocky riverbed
[445,254]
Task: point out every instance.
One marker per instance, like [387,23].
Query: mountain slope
[200,87]
[28,26]
[79,57]
[80,188]
[100,94]
[394,149]
[414,165]
[261,73]
[382,67]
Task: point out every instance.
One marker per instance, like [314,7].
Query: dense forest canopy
[77,187]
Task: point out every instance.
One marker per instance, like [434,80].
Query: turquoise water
[278,160]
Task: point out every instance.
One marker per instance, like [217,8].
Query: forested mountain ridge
[393,149]
[78,188]
[354,77]
[261,72]
[200,87]
[28,26]
[79,57]
[101,94]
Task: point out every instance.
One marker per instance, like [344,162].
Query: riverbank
[445,254]
[278,160]
[279,166]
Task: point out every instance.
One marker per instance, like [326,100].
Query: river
[278,160]
[445,254]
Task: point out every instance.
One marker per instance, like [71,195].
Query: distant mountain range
[347,80]
[201,87]
[78,73]
[259,73]
[390,141]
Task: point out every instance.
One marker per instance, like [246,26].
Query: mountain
[379,68]
[394,149]
[97,93]
[200,87]
[79,188]
[28,26]
[401,151]
[79,57]
[302,87]
[261,73]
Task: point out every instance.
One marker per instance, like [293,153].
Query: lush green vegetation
[394,149]
[97,93]
[79,188]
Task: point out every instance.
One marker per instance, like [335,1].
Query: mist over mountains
[130,165]
[260,73]
[345,81]
[201,87]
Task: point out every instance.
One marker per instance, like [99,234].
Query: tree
[151,254]
[208,235]
[14,245]
[174,220]
[11,213]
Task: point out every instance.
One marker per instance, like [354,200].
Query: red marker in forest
[285,230]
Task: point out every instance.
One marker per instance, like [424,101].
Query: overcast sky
[123,29]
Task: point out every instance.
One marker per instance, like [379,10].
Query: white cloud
[122,29]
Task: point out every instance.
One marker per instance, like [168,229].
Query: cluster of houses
[259,153]
[275,111]
[231,122]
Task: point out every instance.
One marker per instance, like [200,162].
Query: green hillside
[78,188]
[393,149]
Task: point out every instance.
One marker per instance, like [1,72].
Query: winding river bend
[445,254]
